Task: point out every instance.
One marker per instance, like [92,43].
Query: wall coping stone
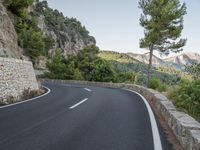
[15,60]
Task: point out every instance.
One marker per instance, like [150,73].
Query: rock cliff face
[8,36]
[68,33]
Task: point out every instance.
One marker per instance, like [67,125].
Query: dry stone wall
[16,76]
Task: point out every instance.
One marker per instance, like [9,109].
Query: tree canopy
[86,65]
[162,21]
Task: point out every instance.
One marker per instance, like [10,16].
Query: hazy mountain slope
[184,59]
[177,62]
[144,58]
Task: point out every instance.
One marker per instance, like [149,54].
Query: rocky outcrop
[8,36]
[68,33]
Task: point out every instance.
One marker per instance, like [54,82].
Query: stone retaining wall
[16,76]
[186,128]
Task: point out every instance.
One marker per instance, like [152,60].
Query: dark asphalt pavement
[109,119]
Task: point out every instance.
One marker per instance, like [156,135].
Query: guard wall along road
[16,76]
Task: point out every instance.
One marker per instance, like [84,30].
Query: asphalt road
[73,117]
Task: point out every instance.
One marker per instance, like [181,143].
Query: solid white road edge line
[87,89]
[155,132]
[48,91]
[72,107]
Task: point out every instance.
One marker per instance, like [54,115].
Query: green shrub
[56,66]
[187,97]
[162,87]
[77,75]
[103,72]
[128,77]
[17,6]
[156,84]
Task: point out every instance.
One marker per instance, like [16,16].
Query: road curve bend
[75,117]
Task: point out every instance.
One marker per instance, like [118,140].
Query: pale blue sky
[115,23]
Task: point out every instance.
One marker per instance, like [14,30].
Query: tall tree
[162,21]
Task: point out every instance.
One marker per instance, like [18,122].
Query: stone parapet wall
[16,76]
[185,128]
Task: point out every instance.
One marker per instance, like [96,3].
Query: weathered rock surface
[69,39]
[8,36]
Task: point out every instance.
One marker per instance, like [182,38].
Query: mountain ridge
[177,62]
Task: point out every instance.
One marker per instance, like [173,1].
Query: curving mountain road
[75,117]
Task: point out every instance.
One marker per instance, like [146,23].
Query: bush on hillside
[128,77]
[17,6]
[194,70]
[156,84]
[56,66]
[187,97]
[103,72]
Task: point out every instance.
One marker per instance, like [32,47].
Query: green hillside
[124,63]
[115,56]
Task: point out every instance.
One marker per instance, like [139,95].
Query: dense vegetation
[18,6]
[186,95]
[86,65]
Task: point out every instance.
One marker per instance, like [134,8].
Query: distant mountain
[144,58]
[177,62]
[181,60]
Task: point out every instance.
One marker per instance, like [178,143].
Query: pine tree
[162,21]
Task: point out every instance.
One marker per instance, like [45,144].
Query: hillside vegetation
[186,94]
[125,63]
[86,65]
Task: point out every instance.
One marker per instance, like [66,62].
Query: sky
[115,23]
